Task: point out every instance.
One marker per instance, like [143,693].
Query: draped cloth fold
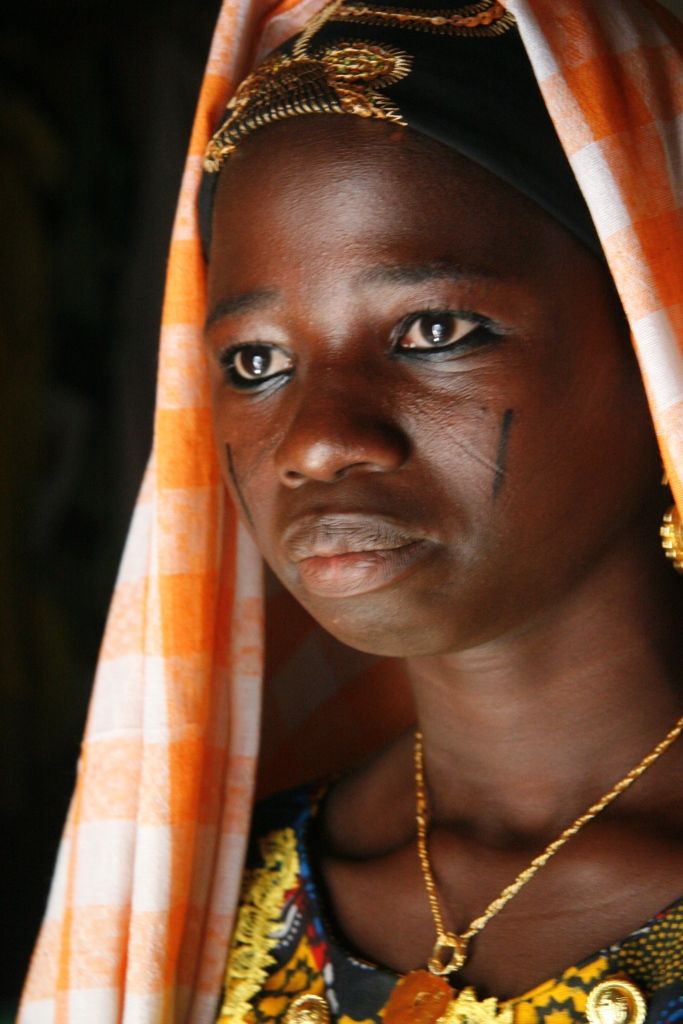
[146,883]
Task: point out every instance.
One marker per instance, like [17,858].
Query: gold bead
[308,1009]
[671,532]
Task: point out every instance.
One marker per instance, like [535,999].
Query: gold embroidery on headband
[486,18]
[345,77]
[340,79]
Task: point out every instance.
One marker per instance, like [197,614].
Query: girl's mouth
[359,572]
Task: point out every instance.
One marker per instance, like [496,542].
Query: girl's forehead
[358,190]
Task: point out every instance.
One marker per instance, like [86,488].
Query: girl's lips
[359,572]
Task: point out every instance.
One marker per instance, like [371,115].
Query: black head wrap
[459,75]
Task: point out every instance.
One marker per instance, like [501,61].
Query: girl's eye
[247,366]
[437,330]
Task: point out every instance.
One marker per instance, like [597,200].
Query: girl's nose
[332,436]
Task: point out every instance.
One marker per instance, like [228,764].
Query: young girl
[425,406]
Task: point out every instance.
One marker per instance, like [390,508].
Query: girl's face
[424,398]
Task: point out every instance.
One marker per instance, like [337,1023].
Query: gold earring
[671,532]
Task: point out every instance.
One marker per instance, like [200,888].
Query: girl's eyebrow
[417,273]
[245,302]
[389,273]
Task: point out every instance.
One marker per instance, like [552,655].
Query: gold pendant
[423,998]
[418,998]
[449,954]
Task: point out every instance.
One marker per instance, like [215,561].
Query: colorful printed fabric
[148,874]
[284,945]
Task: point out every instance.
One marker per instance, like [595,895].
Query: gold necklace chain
[450,950]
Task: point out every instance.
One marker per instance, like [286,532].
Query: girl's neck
[530,728]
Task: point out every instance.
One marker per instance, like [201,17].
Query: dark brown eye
[436,330]
[249,365]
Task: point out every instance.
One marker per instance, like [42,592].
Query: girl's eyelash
[226,361]
[407,322]
[226,356]
[491,328]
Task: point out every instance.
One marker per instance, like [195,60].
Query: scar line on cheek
[235,484]
[501,454]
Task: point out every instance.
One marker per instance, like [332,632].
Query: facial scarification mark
[501,454]
[236,484]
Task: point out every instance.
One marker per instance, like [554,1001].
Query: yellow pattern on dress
[299,976]
[255,934]
[563,1000]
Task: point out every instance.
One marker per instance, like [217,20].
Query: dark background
[96,103]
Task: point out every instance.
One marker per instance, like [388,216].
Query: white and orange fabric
[147,879]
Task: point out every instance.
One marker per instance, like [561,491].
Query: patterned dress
[283,947]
